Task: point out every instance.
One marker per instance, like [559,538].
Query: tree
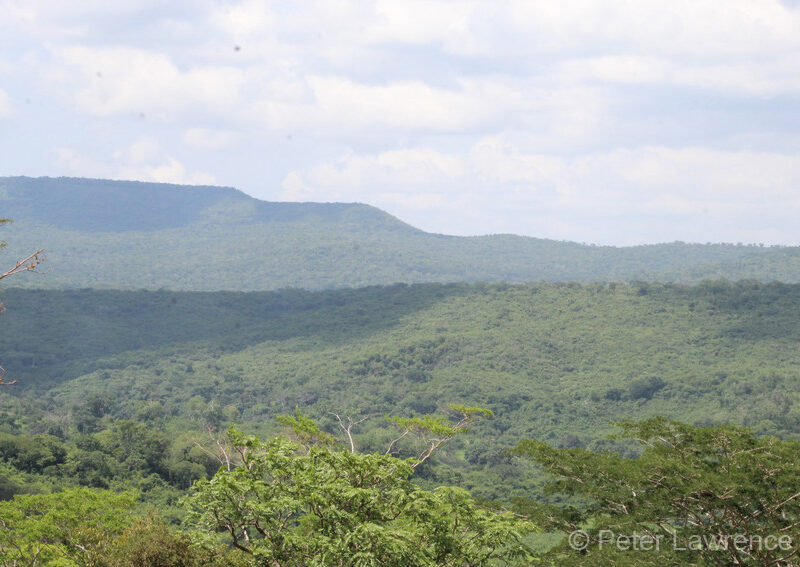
[148,542]
[696,496]
[74,527]
[316,504]
[95,528]
[433,431]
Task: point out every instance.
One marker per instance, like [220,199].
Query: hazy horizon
[585,243]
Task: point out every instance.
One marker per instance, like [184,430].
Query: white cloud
[144,149]
[464,116]
[499,189]
[73,162]
[408,105]
[697,28]
[421,22]
[246,20]
[125,81]
[172,171]
[98,21]
[208,139]
[296,71]
[108,82]
[141,161]
[353,177]
[16,14]
[754,78]
[5,104]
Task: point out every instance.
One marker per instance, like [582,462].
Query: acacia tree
[696,496]
[314,503]
[27,264]
[74,527]
[81,527]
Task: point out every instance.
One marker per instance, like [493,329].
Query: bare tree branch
[3,375]
[27,264]
[348,428]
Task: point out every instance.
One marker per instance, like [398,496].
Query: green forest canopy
[553,361]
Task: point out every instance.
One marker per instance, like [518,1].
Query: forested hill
[97,205]
[122,234]
[554,361]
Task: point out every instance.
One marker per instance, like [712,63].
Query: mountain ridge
[42,199]
[138,235]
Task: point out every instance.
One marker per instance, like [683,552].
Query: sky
[611,122]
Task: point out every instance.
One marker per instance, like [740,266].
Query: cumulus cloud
[172,171]
[142,160]
[354,177]
[208,139]
[5,104]
[697,28]
[763,78]
[119,81]
[501,189]
[124,81]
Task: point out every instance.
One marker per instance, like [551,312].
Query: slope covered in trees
[122,234]
[556,362]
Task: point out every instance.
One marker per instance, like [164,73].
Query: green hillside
[122,234]
[553,361]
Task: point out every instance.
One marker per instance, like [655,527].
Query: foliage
[128,391]
[305,429]
[3,222]
[96,528]
[434,431]
[148,542]
[710,495]
[287,504]
[73,527]
[553,361]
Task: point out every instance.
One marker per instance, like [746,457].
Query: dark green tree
[74,527]
[696,496]
[148,542]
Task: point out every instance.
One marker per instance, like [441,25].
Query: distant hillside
[123,234]
[554,361]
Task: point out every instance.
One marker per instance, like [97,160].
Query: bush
[645,388]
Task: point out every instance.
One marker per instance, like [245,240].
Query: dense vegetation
[310,503]
[126,383]
[130,235]
[113,448]
[307,502]
[696,496]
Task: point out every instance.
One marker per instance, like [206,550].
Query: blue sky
[612,122]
